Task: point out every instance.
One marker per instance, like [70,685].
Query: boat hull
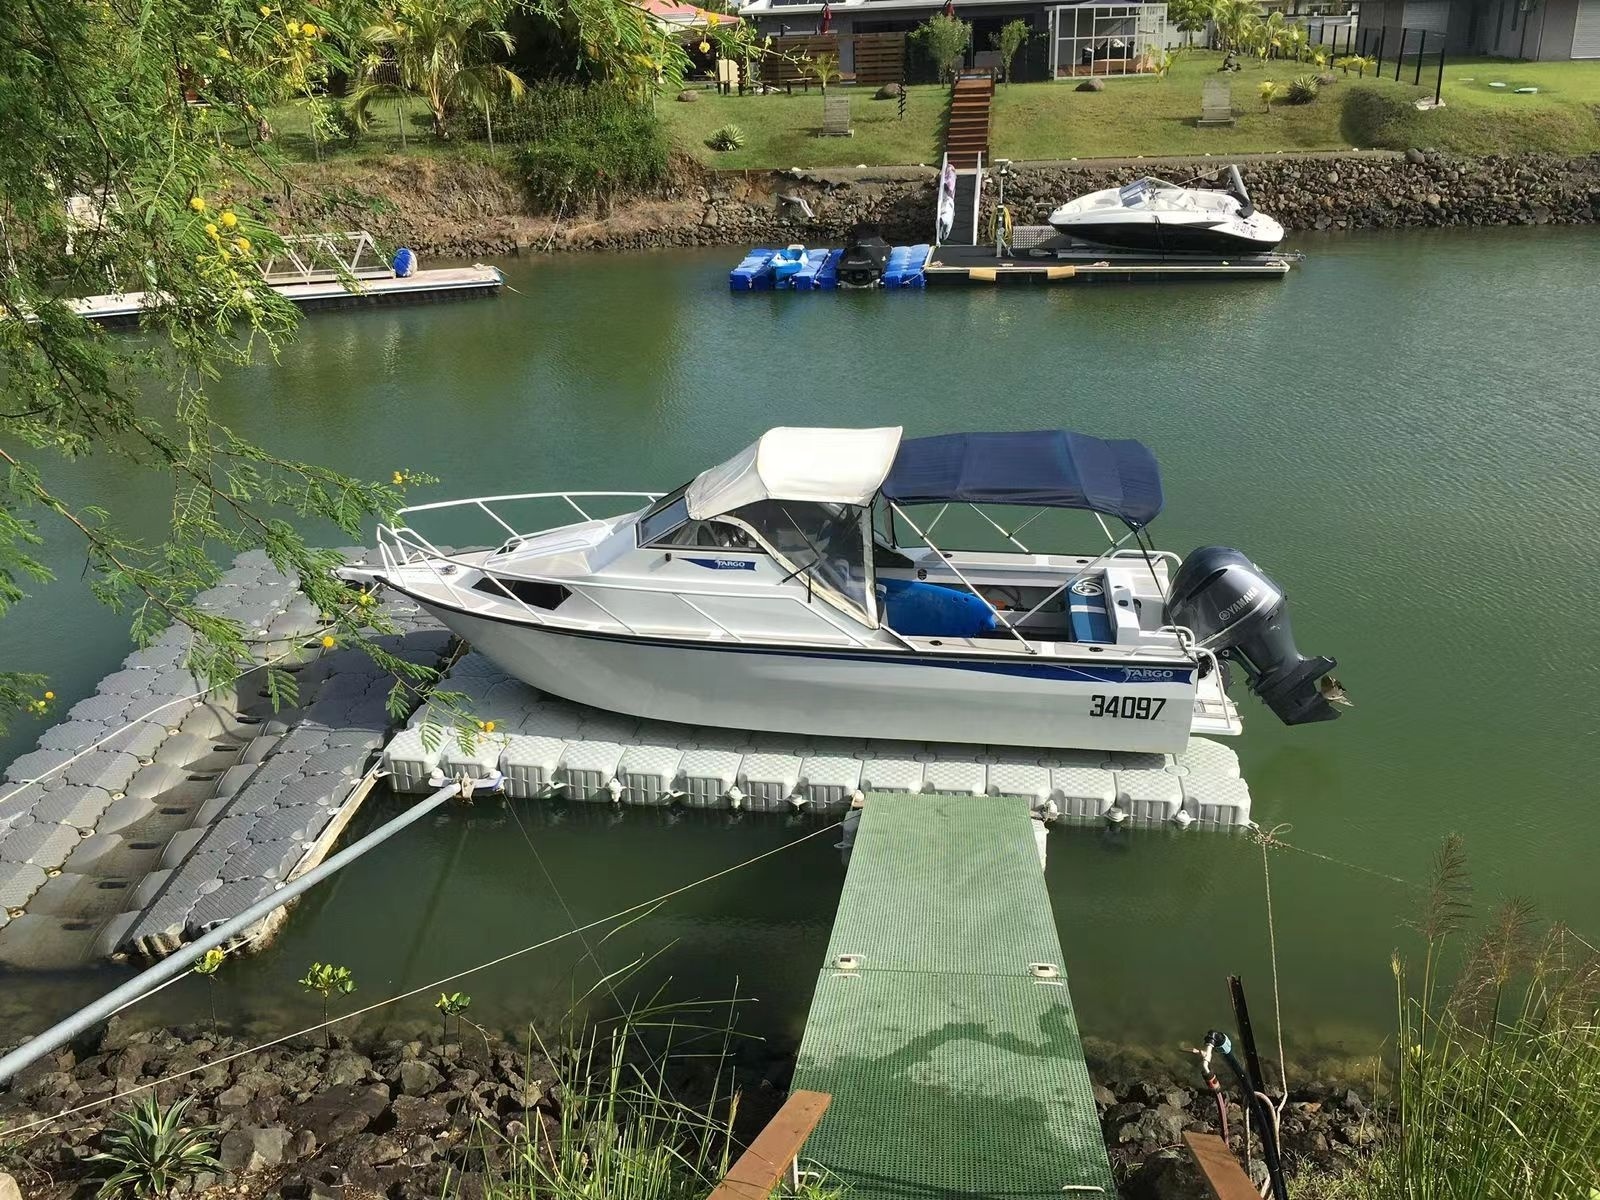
[1166,238]
[847,692]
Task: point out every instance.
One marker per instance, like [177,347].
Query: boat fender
[405,262]
[798,801]
[614,790]
[1049,811]
[735,798]
[1182,819]
[1116,815]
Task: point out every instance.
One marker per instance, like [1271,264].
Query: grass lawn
[781,130]
[1156,117]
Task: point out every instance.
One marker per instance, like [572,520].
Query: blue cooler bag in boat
[918,609]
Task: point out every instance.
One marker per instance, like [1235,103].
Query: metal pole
[1421,47]
[1438,87]
[1377,71]
[1400,56]
[179,961]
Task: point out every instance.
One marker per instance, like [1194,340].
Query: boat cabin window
[668,524]
[825,539]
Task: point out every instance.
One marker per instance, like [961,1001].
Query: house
[1093,37]
[1536,29]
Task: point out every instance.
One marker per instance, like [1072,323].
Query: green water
[1403,433]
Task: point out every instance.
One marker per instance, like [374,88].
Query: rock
[1416,157]
[345,1067]
[1433,200]
[887,92]
[417,1078]
[688,96]
[340,1112]
[304,1145]
[1178,1097]
[1327,79]
[253,1148]
[235,1097]
[420,1113]
[1160,1126]
[1091,85]
[8,1188]
[1104,1097]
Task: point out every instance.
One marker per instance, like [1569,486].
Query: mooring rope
[427,987]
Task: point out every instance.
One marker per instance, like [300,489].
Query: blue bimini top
[1049,468]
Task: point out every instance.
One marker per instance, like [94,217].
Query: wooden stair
[967,131]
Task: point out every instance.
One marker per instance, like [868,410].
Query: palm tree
[1236,21]
[442,50]
[1189,17]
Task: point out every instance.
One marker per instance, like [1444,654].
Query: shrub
[1302,90]
[150,1151]
[945,40]
[726,137]
[584,146]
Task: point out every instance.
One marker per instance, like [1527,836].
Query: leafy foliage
[1268,91]
[103,155]
[823,68]
[725,137]
[442,50]
[593,151]
[1301,90]
[149,1151]
[1013,35]
[945,40]
[1189,17]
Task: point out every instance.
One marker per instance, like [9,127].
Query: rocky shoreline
[473,209]
[408,1117]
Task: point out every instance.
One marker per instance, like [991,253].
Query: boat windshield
[824,539]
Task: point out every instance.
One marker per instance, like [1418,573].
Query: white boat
[1154,216]
[793,589]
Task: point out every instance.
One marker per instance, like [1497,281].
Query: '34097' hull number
[1130,708]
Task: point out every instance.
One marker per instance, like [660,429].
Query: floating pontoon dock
[941,1024]
[325,271]
[191,805]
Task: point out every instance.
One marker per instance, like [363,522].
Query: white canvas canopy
[830,466]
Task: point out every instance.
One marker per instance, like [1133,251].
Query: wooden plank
[1224,1177]
[763,1165]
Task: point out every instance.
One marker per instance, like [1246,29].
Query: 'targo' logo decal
[724,564]
[1148,673]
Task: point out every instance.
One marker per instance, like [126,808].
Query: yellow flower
[327,641]
[705,47]
[229,220]
[399,478]
[309,30]
[222,52]
[197,204]
[293,27]
[211,229]
[364,600]
[486,726]
[49,695]
[243,244]
[713,19]
[265,11]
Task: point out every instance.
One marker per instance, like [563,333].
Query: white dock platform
[325,291]
[549,748]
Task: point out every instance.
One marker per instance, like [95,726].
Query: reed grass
[643,1107]
[1496,1075]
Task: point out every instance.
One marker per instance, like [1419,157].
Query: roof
[1050,468]
[670,15]
[837,466]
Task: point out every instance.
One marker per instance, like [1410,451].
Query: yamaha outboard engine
[864,258]
[1239,613]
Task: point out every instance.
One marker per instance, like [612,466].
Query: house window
[1107,39]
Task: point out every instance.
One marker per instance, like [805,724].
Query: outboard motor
[864,258]
[1239,613]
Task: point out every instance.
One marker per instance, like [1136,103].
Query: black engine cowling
[1236,610]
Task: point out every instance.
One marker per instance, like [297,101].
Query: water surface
[1403,433]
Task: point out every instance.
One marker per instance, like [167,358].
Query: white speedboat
[1154,216]
[793,589]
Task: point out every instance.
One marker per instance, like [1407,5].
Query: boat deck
[1088,264]
[942,1008]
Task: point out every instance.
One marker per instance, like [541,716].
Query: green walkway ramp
[954,1064]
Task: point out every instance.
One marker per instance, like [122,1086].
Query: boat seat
[1091,620]
[916,609]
